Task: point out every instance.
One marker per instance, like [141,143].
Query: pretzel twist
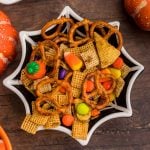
[50,97]
[75,43]
[60,23]
[49,111]
[99,91]
[56,60]
[108,77]
[111,30]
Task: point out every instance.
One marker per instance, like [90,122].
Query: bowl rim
[9,81]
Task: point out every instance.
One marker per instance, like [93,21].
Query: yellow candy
[115,72]
[112,97]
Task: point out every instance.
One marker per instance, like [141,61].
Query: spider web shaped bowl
[121,107]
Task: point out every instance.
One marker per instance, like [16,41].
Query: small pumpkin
[8,41]
[4,140]
[36,69]
[140,11]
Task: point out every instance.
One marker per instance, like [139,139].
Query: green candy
[82,109]
[32,67]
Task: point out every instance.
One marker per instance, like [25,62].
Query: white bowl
[8,2]
[119,108]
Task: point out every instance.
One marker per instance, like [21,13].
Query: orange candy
[67,120]
[73,61]
[118,63]
[107,85]
[101,80]
[89,86]
[105,71]
[95,112]
[62,90]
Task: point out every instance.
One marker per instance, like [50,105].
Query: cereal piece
[62,99]
[119,86]
[25,80]
[77,79]
[125,70]
[90,58]
[80,129]
[87,71]
[57,73]
[64,65]
[50,54]
[35,83]
[50,51]
[62,47]
[76,92]
[33,107]
[28,83]
[53,121]
[107,53]
[45,88]
[38,118]
[28,125]
[78,50]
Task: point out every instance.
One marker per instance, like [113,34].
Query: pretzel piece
[75,43]
[98,98]
[60,22]
[50,98]
[111,30]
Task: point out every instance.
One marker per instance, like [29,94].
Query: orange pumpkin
[140,11]
[4,18]
[36,69]
[5,143]
[8,40]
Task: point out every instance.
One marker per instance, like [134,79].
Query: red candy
[89,86]
[118,63]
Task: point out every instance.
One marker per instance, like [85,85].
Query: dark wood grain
[118,134]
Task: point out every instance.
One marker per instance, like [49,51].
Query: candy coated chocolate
[62,73]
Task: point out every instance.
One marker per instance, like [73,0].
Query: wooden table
[122,133]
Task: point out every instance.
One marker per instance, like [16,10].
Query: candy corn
[73,61]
